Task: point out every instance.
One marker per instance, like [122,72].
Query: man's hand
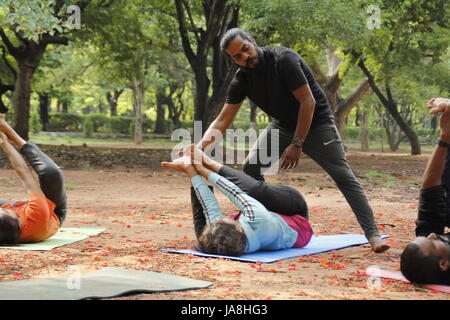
[290,157]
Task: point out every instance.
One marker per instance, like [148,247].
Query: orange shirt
[37,219]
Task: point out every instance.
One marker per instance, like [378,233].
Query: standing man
[282,84]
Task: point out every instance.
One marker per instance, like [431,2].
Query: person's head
[9,227]
[426,260]
[241,48]
[224,236]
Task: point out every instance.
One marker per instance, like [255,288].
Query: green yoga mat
[63,237]
[105,283]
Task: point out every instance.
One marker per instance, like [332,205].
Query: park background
[101,86]
[130,72]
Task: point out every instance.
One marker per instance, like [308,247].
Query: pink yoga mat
[377,272]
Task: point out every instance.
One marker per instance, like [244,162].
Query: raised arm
[20,166]
[219,125]
[435,167]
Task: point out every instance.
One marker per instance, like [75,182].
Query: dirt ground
[145,210]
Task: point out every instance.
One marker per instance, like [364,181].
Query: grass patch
[79,141]
[70,185]
[87,168]
[385,179]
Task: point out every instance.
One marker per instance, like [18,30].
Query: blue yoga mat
[318,244]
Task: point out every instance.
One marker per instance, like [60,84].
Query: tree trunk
[174,114]
[202,84]
[160,125]
[391,107]
[253,113]
[218,16]
[364,133]
[22,95]
[65,106]
[138,101]
[344,107]
[358,115]
[407,130]
[113,100]
[44,103]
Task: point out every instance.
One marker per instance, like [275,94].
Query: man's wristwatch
[442,143]
[298,142]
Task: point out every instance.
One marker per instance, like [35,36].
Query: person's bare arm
[20,166]
[304,96]
[220,124]
[435,166]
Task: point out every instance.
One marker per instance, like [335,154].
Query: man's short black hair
[230,35]
[9,229]
[421,269]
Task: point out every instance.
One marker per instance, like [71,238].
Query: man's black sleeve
[291,72]
[236,93]
[431,217]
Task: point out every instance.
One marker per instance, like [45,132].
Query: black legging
[50,177]
[280,199]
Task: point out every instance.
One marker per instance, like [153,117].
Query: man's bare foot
[179,164]
[378,245]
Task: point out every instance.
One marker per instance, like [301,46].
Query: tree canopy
[161,61]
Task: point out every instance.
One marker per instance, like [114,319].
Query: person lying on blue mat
[426,260]
[41,215]
[270,217]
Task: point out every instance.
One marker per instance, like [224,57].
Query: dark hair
[224,238]
[420,268]
[230,35]
[9,229]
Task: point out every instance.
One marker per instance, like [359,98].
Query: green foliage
[68,121]
[245,125]
[88,127]
[118,124]
[124,40]
[35,123]
[99,122]
[31,18]
[377,134]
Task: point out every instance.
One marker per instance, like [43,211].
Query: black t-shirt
[270,87]
[432,212]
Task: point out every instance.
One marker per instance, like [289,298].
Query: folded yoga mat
[380,273]
[317,244]
[105,283]
[63,237]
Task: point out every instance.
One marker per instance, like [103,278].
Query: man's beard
[260,64]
